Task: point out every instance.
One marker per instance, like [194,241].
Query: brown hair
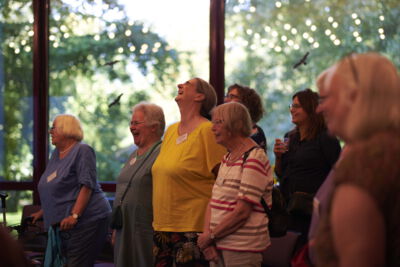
[251,99]
[309,102]
[210,97]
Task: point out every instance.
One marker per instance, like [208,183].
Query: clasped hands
[206,245]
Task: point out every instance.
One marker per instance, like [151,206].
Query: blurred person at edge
[360,101]
[236,228]
[71,196]
[133,244]
[304,164]
[252,101]
[11,252]
[183,176]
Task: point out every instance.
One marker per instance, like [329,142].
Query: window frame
[41,11]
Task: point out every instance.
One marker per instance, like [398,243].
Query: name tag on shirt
[52,176]
[133,160]
[181,138]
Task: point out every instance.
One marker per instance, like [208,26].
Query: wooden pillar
[217,47]
[40,90]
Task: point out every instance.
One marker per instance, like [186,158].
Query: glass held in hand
[286,143]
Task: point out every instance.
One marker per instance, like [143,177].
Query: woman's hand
[204,240]
[68,223]
[36,216]
[211,253]
[279,148]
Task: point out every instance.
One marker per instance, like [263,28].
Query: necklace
[67,149]
[235,155]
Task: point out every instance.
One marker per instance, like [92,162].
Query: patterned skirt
[177,249]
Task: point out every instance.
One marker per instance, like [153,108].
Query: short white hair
[153,114]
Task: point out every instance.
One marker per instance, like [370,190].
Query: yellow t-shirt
[182,179]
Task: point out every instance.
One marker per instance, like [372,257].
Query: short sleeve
[213,151]
[256,177]
[86,167]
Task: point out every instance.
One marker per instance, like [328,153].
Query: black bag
[301,203]
[116,218]
[278,217]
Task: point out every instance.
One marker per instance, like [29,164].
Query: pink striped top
[249,183]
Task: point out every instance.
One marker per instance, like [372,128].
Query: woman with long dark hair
[304,159]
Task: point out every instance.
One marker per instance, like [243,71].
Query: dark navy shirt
[259,138]
[61,182]
[307,163]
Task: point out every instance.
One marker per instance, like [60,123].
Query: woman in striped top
[236,227]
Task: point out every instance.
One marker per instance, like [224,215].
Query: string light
[97,37]
[128,33]
[335,24]
[287,26]
[278,4]
[328,32]
[316,45]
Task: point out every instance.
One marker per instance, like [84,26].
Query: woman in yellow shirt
[183,176]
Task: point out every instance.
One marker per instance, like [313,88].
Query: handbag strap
[263,203]
[137,169]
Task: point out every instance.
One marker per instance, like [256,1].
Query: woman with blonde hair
[71,196]
[236,226]
[360,227]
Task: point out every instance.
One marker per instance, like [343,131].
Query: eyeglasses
[231,96]
[52,128]
[296,106]
[217,122]
[135,123]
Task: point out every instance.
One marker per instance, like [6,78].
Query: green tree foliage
[92,50]
[266,38]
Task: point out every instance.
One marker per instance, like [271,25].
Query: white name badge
[181,138]
[52,176]
[133,160]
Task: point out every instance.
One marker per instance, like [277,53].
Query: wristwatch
[75,216]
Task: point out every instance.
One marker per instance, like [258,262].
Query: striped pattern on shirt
[248,181]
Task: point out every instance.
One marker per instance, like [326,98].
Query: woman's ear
[199,97]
